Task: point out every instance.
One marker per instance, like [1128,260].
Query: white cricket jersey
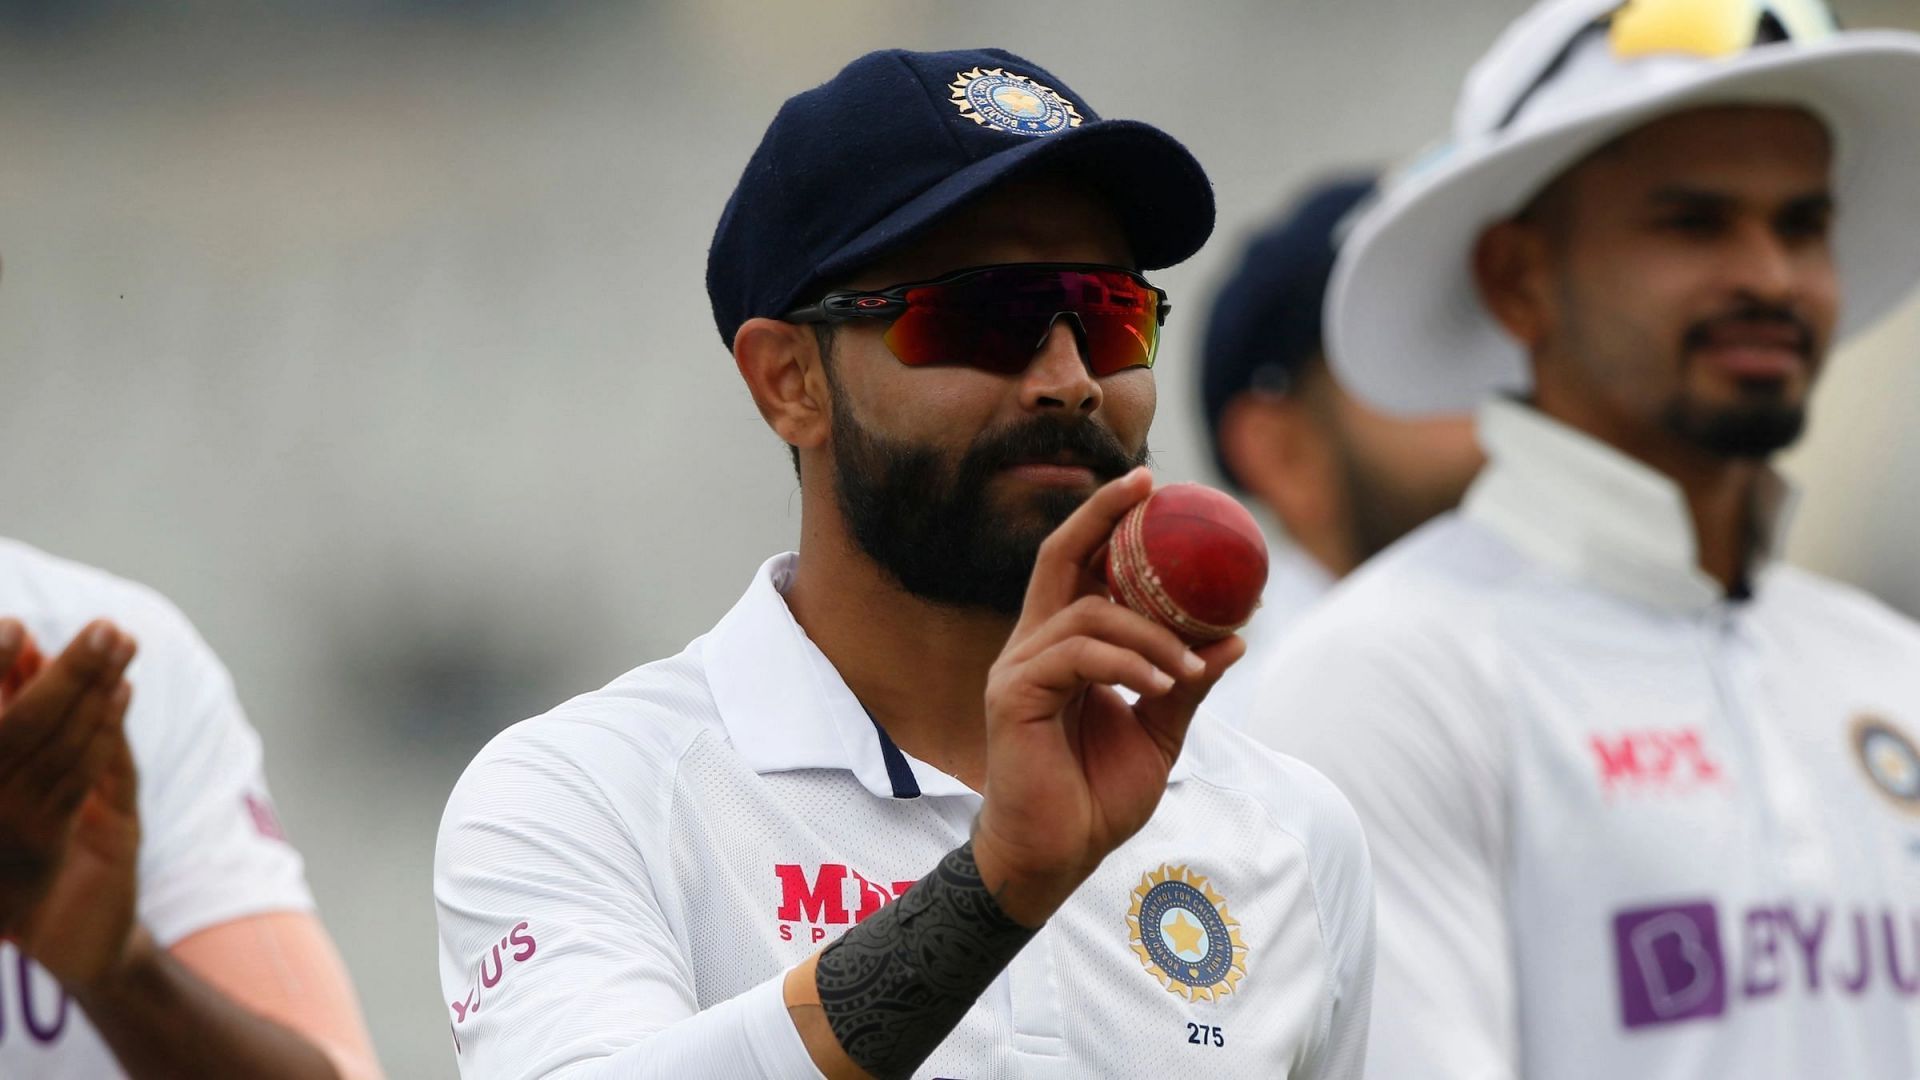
[211,849]
[623,882]
[1295,582]
[1623,826]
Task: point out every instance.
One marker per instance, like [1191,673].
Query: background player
[1641,798]
[1344,481]
[157,920]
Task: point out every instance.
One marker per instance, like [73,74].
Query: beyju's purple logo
[516,947]
[1673,966]
[1670,964]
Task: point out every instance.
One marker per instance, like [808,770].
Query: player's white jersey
[623,882]
[1622,825]
[1295,582]
[211,849]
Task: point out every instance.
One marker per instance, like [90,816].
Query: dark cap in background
[1265,326]
[858,166]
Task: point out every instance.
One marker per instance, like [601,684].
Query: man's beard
[933,527]
[1757,430]
[1762,424]
[1381,507]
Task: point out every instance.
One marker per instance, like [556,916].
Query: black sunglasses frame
[888,304]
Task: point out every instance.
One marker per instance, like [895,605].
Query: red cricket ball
[1191,559]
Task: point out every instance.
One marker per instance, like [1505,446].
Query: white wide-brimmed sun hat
[1406,329]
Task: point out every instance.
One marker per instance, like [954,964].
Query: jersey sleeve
[1344,895]
[556,956]
[1399,726]
[212,849]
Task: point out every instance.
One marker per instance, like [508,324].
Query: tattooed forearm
[894,986]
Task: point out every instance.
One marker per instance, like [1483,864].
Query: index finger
[97,655]
[1063,555]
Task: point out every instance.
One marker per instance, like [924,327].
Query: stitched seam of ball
[1142,588]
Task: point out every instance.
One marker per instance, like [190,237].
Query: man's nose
[1058,377]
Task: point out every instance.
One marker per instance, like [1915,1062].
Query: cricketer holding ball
[906,743]
[1643,801]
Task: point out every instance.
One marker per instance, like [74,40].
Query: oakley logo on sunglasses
[1708,29]
[997,318]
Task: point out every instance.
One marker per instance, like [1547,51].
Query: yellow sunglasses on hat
[1708,29]
[1714,28]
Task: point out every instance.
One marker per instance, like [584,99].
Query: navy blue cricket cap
[860,165]
[1266,325]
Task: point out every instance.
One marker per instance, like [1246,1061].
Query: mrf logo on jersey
[1651,761]
[831,894]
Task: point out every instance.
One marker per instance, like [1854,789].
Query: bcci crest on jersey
[1890,759]
[999,99]
[1180,929]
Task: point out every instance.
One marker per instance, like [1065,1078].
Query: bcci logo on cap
[999,99]
[1180,929]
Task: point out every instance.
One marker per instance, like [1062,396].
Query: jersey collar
[1583,507]
[785,706]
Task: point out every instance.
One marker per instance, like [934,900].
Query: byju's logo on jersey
[1673,761]
[832,895]
[1179,928]
[999,99]
[1670,964]
[515,947]
[1675,965]
[1890,759]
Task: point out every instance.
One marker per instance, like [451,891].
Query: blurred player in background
[1343,480]
[929,276]
[1643,800]
[158,923]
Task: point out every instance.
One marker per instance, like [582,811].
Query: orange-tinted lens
[998,319]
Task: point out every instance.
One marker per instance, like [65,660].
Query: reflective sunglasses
[996,318]
[1709,29]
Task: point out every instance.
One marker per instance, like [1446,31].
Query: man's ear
[1276,450]
[787,377]
[1510,270]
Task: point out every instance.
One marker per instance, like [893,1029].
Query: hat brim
[1158,191]
[1406,328]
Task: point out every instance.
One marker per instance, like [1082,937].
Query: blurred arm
[263,996]
[284,967]
[1400,726]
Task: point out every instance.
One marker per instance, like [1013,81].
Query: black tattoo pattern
[895,986]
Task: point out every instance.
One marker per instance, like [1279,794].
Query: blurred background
[373,332]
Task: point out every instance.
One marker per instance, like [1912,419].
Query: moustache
[1083,443]
[1753,317]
